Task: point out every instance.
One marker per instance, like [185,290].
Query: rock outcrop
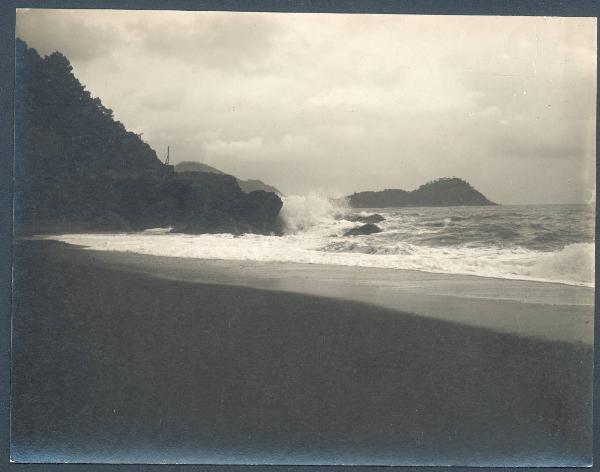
[369,228]
[77,169]
[374,218]
[247,186]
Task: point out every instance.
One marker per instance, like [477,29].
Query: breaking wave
[543,243]
[306,212]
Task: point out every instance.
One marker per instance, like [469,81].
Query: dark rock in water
[375,218]
[79,170]
[369,228]
[441,192]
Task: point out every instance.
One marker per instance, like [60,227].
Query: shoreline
[68,239]
[111,364]
[554,312]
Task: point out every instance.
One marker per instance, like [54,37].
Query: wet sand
[551,311]
[125,358]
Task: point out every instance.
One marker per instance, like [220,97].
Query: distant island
[447,191]
[247,186]
[77,169]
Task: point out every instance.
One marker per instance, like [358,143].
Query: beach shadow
[106,361]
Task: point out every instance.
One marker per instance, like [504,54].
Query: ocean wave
[305,212]
[465,241]
[572,265]
[574,262]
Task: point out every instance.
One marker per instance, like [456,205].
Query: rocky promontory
[78,169]
[247,186]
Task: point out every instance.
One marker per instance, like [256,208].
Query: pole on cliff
[167,159]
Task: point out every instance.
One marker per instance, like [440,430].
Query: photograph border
[582,8]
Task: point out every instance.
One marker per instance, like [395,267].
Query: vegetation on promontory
[78,169]
[247,186]
[447,191]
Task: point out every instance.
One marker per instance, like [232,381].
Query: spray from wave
[305,212]
[552,244]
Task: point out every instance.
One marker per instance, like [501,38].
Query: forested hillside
[77,169]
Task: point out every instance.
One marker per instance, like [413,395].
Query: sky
[338,103]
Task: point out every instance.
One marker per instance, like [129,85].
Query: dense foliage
[247,186]
[448,191]
[77,169]
[63,128]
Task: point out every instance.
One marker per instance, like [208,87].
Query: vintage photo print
[303,238]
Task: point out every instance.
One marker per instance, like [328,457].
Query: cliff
[441,192]
[77,169]
[247,186]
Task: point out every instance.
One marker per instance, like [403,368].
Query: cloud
[348,102]
[231,42]
[68,32]
[544,138]
[238,149]
[169,99]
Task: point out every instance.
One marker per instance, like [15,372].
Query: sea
[547,243]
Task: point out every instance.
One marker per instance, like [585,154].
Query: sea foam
[314,228]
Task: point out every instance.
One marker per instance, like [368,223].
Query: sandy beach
[119,357]
[551,311]
[334,236]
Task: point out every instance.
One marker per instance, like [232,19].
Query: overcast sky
[344,103]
